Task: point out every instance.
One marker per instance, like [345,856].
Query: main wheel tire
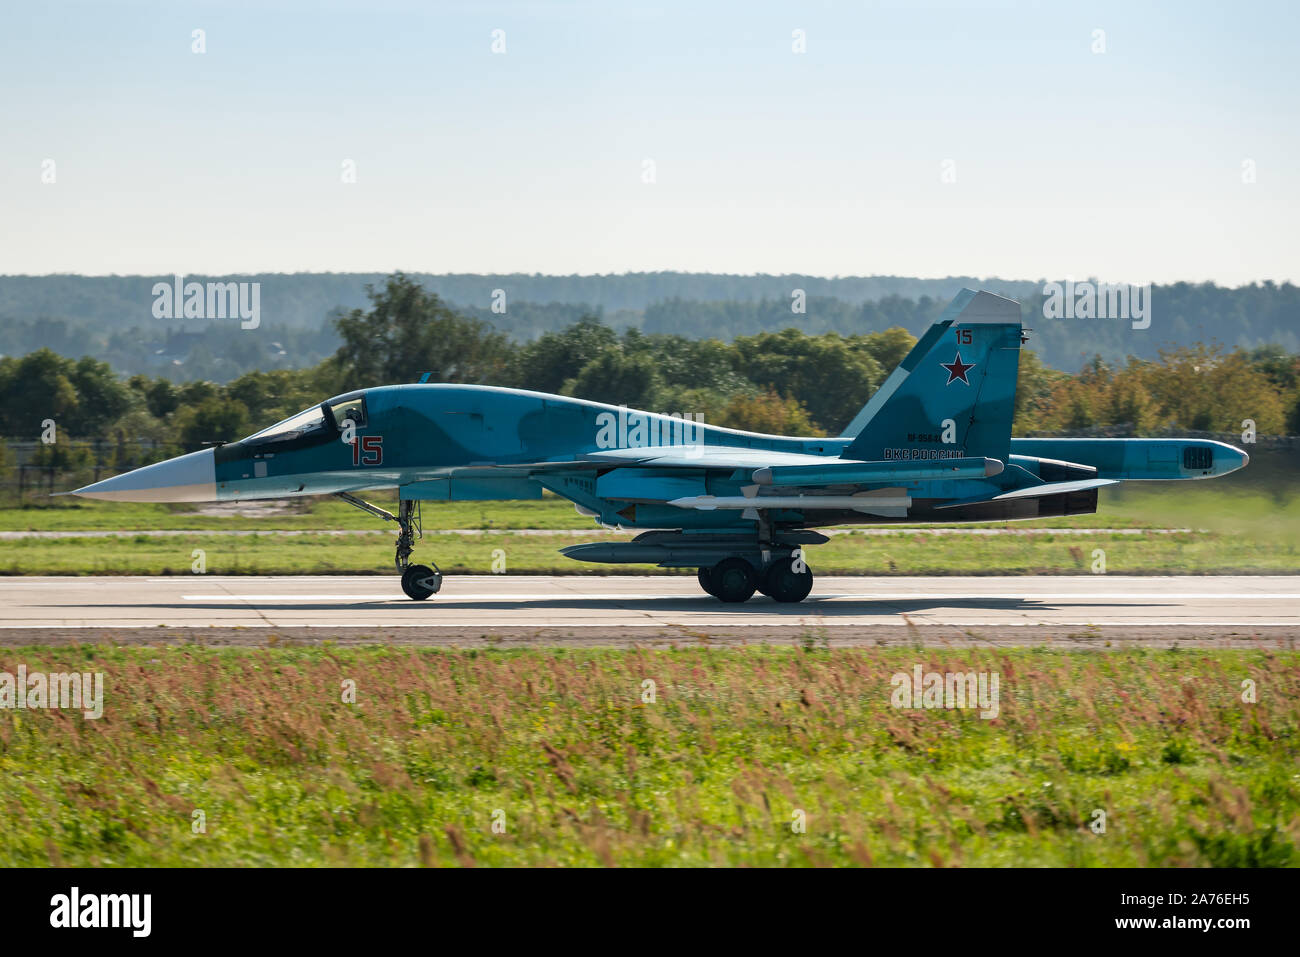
[784,584]
[706,581]
[733,580]
[420,581]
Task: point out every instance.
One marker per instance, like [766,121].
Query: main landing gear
[418,581]
[735,579]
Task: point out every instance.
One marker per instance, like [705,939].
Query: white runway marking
[673,602]
[1100,597]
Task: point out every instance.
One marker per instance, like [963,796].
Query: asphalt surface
[1085,611]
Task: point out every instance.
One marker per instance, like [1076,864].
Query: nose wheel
[421,581]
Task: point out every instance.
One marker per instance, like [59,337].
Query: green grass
[712,772]
[1190,505]
[905,553]
[72,514]
[1247,523]
[1263,499]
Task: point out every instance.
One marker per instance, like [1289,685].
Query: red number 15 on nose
[368,450]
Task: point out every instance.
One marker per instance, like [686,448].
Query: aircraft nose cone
[186,478]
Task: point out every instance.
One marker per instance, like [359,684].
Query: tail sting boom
[954,394]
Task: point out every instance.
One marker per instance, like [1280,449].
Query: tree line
[108,317]
[788,381]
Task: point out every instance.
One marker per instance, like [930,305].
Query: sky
[1131,142]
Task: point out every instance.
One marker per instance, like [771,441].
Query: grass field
[70,514]
[1216,504]
[1248,522]
[905,553]
[560,750]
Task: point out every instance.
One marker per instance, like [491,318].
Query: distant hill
[111,317]
[304,299]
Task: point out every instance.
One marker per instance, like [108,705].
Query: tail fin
[958,383]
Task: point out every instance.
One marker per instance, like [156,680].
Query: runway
[1089,611]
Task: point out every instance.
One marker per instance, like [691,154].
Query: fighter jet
[932,445]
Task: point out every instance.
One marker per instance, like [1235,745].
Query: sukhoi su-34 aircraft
[933,445]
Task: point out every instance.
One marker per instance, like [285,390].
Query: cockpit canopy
[325,420]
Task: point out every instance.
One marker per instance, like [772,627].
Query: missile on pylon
[859,473]
[885,502]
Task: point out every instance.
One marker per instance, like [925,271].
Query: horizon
[638,272]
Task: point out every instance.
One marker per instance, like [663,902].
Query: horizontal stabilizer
[1035,491]
[1054,488]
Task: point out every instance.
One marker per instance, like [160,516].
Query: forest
[109,317]
[789,381]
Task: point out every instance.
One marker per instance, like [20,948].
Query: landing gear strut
[408,519]
[418,581]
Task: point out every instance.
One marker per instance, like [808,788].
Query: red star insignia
[957,370]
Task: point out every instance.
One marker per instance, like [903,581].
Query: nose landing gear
[418,581]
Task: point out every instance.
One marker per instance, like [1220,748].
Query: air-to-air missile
[861,473]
